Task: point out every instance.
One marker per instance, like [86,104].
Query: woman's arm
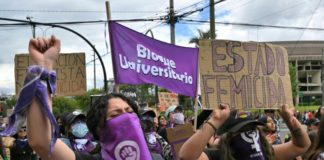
[194,146]
[44,52]
[300,141]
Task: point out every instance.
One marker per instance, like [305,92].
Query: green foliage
[202,35]
[83,101]
[307,108]
[64,104]
[293,80]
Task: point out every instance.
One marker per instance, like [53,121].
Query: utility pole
[94,71]
[108,10]
[172,22]
[212,20]
[116,87]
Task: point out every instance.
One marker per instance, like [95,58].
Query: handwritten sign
[70,70]
[167,99]
[244,75]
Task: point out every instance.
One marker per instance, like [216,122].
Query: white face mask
[178,118]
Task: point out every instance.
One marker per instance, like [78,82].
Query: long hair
[97,113]
[224,145]
[318,146]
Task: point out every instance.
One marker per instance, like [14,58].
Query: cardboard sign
[70,72]
[178,136]
[167,99]
[244,75]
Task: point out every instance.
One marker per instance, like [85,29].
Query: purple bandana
[35,85]
[247,146]
[123,139]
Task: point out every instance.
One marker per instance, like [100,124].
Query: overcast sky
[295,13]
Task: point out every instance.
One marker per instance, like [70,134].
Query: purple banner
[139,59]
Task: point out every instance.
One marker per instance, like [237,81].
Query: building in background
[307,57]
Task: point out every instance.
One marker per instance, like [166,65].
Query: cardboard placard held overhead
[167,99]
[244,75]
[70,72]
[178,136]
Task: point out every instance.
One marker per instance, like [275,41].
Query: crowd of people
[115,127]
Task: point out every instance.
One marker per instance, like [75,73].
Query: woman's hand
[220,115]
[287,114]
[44,51]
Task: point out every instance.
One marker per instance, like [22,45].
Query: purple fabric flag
[138,59]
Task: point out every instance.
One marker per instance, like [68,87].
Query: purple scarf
[123,138]
[36,84]
[247,146]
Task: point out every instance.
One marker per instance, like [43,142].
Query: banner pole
[196,113]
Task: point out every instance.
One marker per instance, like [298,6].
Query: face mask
[122,138]
[178,118]
[79,129]
[247,146]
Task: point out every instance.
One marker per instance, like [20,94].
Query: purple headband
[36,85]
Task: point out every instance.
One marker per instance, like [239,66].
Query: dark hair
[160,116]
[227,153]
[97,113]
[318,145]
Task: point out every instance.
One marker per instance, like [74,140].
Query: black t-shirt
[212,154]
[21,150]
[86,156]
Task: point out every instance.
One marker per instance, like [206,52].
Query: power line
[277,12]
[103,55]
[191,5]
[239,5]
[71,11]
[197,10]
[191,21]
[251,25]
[310,19]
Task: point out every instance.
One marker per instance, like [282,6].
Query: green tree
[201,35]
[64,104]
[294,81]
[83,101]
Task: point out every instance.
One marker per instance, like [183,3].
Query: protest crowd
[116,128]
